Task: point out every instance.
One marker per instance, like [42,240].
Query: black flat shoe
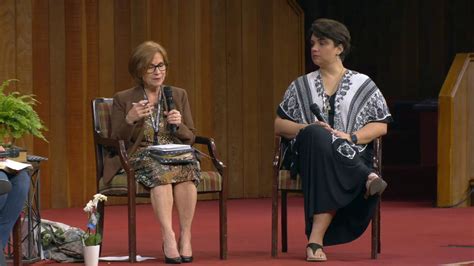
[314,247]
[176,260]
[186,259]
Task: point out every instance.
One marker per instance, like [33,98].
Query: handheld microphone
[170,104]
[315,110]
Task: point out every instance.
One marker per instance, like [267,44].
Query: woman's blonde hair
[142,57]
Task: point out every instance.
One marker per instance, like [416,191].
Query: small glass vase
[91,255]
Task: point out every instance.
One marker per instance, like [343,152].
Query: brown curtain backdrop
[234,57]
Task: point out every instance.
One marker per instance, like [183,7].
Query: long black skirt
[333,179]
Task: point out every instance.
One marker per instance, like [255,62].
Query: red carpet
[412,233]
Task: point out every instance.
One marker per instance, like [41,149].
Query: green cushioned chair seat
[210,182]
[118,186]
[285,181]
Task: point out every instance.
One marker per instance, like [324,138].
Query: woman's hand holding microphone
[173,117]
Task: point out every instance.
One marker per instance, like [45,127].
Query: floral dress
[149,171]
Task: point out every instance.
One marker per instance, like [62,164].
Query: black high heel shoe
[176,260]
[185,259]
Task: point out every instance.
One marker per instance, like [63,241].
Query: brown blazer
[133,134]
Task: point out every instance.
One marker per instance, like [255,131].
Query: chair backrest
[102,110]
[102,125]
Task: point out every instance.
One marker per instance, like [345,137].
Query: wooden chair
[17,250]
[124,184]
[284,184]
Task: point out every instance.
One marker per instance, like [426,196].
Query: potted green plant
[17,116]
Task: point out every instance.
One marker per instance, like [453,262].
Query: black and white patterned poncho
[358,101]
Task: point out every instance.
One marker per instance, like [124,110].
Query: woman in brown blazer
[140,117]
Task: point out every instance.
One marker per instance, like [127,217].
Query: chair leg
[379,224]
[274,248]
[376,231]
[284,222]
[132,227]
[100,226]
[17,253]
[223,225]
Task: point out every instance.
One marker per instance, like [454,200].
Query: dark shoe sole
[377,186]
[176,260]
[186,259]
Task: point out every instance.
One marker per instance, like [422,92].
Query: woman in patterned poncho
[334,156]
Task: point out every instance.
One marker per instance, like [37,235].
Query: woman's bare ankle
[184,244]
[170,246]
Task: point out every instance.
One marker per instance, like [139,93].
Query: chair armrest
[211,147]
[117,146]
[107,142]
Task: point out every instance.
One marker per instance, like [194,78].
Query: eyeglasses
[152,68]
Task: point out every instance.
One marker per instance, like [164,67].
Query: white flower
[97,198]
[89,207]
[100,197]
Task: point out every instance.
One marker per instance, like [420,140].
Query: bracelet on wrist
[354,138]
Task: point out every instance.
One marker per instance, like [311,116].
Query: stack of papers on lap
[12,167]
[170,147]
